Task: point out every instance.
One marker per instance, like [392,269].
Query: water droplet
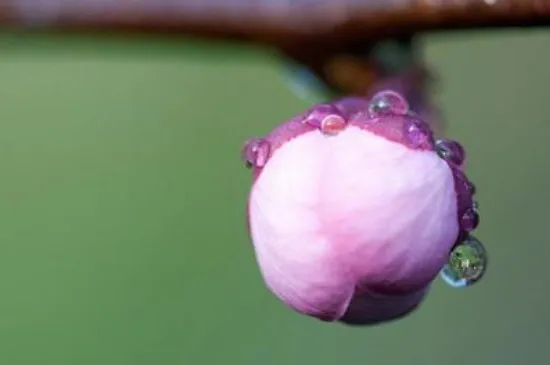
[387,102]
[465,189]
[451,151]
[417,132]
[332,125]
[469,220]
[319,112]
[256,152]
[466,264]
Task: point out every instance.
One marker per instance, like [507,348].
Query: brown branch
[276,22]
[320,34]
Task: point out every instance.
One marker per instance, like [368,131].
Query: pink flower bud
[353,212]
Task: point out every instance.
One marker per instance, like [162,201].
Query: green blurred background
[122,195]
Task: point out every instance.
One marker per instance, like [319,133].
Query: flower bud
[353,212]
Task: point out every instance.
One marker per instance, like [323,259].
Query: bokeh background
[122,202]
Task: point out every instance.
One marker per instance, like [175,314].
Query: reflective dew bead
[332,125]
[466,264]
[469,220]
[317,114]
[417,132]
[387,102]
[465,189]
[256,152]
[451,151]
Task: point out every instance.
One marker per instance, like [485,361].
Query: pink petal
[352,227]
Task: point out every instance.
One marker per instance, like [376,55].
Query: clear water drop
[255,152]
[316,115]
[466,264]
[332,125]
[387,102]
[470,219]
[418,132]
[451,151]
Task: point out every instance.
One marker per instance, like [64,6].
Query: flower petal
[333,217]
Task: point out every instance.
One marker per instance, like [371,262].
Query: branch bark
[274,22]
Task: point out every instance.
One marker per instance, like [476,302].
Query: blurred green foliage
[122,204]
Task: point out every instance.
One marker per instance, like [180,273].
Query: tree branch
[274,22]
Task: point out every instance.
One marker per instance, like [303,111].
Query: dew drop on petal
[451,151]
[469,220]
[387,102]
[256,152]
[466,264]
[332,125]
[317,114]
[417,132]
[465,190]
